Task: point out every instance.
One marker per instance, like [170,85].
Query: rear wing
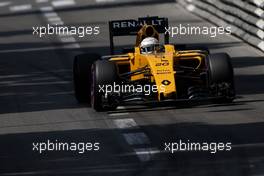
[131,27]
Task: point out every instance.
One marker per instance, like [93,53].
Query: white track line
[57,18]
[72,46]
[101,1]
[136,138]
[54,19]
[145,154]
[27,50]
[58,23]
[46,9]
[120,107]
[65,34]
[50,14]
[61,3]
[125,123]
[68,39]
[119,114]
[19,8]
[42,1]
[3,4]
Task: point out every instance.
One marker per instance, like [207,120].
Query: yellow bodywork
[161,65]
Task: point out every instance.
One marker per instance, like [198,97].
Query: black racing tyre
[82,76]
[104,73]
[220,74]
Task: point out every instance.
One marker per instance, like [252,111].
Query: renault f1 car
[153,73]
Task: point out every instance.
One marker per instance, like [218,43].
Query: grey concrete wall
[246,17]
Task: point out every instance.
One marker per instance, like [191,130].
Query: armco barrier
[246,17]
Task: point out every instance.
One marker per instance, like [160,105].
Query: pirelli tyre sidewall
[82,76]
[104,72]
[220,71]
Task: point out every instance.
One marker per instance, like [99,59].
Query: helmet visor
[151,48]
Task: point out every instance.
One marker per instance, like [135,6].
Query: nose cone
[162,69]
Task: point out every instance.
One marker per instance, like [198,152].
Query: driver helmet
[148,44]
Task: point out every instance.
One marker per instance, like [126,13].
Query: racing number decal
[163,63]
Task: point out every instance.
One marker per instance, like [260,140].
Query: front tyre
[82,76]
[221,77]
[104,74]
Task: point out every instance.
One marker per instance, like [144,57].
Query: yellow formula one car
[150,71]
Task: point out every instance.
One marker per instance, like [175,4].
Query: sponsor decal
[163,71]
[162,64]
[166,82]
[135,23]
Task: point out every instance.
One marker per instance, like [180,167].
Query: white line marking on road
[136,138]
[119,114]
[101,1]
[42,1]
[61,3]
[125,123]
[65,34]
[253,145]
[120,107]
[55,19]
[145,154]
[68,39]
[57,23]
[72,46]
[19,8]
[3,4]
[27,50]
[50,14]
[46,9]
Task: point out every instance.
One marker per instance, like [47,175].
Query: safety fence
[245,17]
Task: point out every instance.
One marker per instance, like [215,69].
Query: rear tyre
[82,76]
[221,77]
[104,73]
